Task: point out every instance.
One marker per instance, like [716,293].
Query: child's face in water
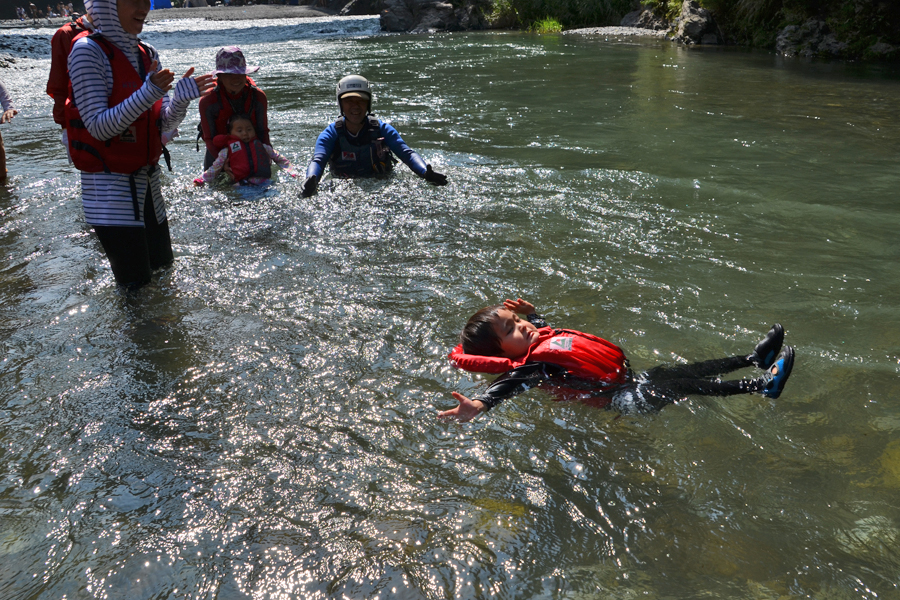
[243,130]
[516,335]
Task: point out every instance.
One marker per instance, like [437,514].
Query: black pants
[2,160]
[135,252]
[664,385]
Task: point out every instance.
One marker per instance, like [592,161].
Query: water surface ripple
[259,422]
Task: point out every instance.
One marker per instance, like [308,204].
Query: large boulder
[644,19]
[813,38]
[696,25]
[421,16]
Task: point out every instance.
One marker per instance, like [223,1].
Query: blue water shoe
[779,373]
[765,352]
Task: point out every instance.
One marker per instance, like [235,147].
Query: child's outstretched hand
[8,115]
[199,182]
[519,306]
[466,411]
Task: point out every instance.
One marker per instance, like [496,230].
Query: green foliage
[546,25]
[568,13]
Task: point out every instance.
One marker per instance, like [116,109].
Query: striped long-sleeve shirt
[5,100]
[107,197]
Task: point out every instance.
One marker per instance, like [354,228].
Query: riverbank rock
[644,19]
[23,46]
[883,51]
[813,38]
[696,25]
[422,16]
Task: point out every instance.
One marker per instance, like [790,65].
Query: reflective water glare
[260,421]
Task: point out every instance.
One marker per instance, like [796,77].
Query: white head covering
[105,15]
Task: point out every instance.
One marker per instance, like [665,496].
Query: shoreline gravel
[210,13]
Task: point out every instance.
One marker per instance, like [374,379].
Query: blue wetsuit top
[328,140]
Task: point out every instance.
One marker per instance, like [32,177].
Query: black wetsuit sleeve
[536,320]
[517,381]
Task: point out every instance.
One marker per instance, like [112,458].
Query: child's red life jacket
[581,354]
[140,144]
[246,160]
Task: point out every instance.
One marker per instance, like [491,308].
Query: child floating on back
[528,353]
[249,161]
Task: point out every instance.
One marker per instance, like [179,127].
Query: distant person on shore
[58,81]
[582,366]
[9,111]
[360,145]
[249,160]
[115,117]
[235,93]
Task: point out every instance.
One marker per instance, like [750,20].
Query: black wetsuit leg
[134,252]
[707,368]
[664,384]
[208,160]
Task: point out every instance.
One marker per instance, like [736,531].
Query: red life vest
[216,108]
[581,354]
[140,144]
[246,160]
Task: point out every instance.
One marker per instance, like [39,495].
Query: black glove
[310,186]
[433,177]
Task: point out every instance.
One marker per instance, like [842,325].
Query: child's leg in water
[662,385]
[707,368]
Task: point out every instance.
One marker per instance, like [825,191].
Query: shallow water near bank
[260,420]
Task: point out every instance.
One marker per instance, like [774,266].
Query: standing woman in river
[117,109]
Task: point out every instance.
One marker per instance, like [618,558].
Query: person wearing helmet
[360,145]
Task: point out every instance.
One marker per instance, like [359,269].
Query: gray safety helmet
[354,85]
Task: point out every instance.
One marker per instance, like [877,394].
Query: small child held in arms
[248,160]
[528,353]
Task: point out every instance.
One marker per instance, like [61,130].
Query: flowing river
[260,421]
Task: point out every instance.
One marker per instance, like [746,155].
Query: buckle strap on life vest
[77,145]
[132,182]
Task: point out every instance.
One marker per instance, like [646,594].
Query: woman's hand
[161,79]
[205,83]
[519,306]
[8,115]
[466,411]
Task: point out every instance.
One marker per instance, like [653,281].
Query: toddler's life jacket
[140,144]
[581,354]
[246,160]
[364,155]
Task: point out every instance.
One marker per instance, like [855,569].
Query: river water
[260,421]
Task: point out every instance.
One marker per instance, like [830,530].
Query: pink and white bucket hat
[230,59]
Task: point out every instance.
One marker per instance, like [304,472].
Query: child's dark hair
[237,117]
[478,336]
